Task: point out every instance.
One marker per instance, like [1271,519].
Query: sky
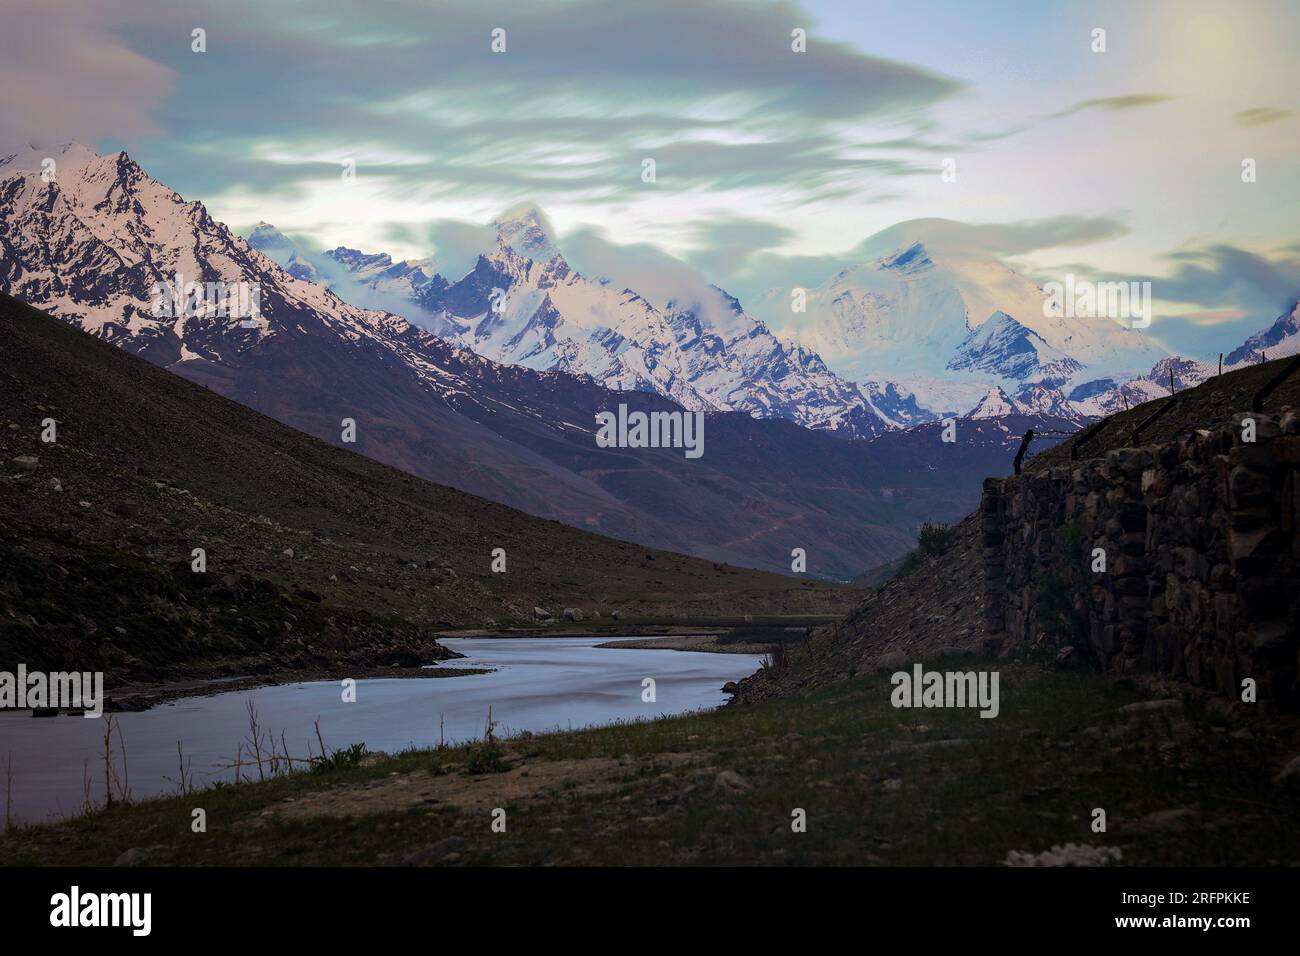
[772,168]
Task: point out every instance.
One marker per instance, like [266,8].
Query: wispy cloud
[1214,295]
[1260,116]
[1131,101]
[583,92]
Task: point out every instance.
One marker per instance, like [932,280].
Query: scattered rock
[572,614]
[137,855]
[1071,854]
[1152,706]
[1179,818]
[25,462]
[731,782]
[729,687]
[433,853]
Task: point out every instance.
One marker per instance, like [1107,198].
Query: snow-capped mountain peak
[1003,347]
[528,232]
[913,260]
[1279,339]
[995,404]
[28,159]
[919,305]
[275,245]
[103,245]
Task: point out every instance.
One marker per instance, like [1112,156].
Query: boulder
[1249,489]
[891,661]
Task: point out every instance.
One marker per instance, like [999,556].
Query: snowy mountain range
[1279,340]
[94,241]
[925,331]
[707,354]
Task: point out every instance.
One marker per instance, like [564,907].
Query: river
[538,684]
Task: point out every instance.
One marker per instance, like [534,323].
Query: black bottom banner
[334,905]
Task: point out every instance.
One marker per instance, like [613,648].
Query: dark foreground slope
[313,553]
[939,606]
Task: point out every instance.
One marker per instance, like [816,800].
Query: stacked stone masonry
[1201,558]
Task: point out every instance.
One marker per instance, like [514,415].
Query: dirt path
[527,781]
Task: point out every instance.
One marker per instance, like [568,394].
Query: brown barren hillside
[939,606]
[314,553]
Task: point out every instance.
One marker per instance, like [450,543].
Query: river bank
[653,627]
[704,643]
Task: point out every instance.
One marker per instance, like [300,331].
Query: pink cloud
[66,76]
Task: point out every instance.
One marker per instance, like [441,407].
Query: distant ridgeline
[1177,558]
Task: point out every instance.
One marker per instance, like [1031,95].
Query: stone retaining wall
[1201,558]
